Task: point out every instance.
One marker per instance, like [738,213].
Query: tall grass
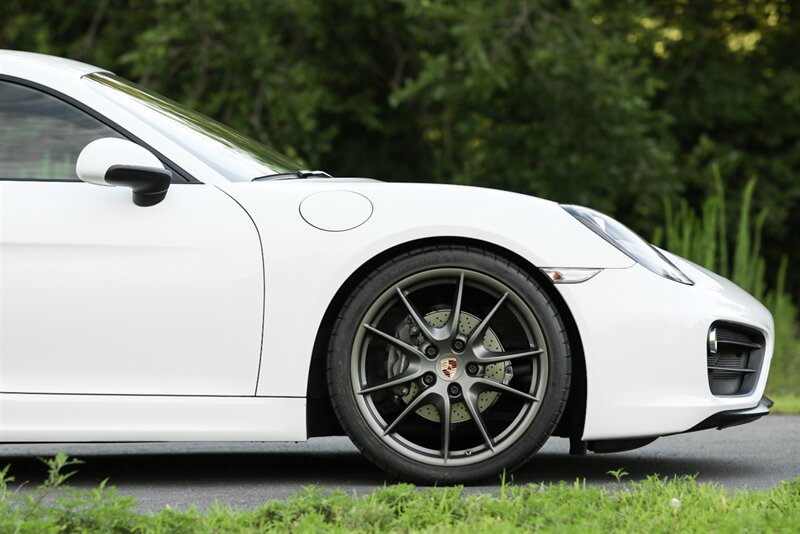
[705,238]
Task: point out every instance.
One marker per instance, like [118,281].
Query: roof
[25,64]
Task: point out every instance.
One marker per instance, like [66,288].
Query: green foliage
[786,404]
[618,473]
[56,478]
[655,504]
[703,239]
[785,372]
[611,104]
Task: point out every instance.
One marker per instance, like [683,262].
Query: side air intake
[734,357]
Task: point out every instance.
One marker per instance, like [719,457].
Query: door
[100,296]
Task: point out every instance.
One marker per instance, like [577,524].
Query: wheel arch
[320,418]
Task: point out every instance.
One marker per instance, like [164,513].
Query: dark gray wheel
[448,364]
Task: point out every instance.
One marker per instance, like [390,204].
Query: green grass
[786,404]
[652,505]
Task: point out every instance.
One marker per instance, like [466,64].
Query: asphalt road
[758,455]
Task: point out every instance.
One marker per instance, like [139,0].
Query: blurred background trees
[619,105]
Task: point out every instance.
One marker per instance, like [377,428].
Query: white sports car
[165,278]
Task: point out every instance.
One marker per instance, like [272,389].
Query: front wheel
[448,365]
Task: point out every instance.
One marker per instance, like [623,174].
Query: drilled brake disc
[500,371]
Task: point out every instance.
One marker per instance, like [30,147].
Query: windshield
[230,153]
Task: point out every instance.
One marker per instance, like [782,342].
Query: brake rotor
[499,371]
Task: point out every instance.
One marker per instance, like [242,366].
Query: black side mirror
[149,185]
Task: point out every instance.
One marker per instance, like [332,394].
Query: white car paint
[95,160]
[108,418]
[102,296]
[335,211]
[302,260]
[645,344]
[136,305]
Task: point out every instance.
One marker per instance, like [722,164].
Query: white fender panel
[304,267]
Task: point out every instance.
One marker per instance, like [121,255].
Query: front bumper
[735,417]
[645,340]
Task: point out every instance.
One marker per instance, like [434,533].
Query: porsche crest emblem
[449,367]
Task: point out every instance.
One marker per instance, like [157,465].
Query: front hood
[322,180]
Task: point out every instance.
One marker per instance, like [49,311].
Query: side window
[41,136]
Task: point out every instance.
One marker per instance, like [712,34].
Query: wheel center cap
[449,368]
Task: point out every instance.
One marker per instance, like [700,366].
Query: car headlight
[627,241]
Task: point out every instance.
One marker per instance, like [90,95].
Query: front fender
[304,266]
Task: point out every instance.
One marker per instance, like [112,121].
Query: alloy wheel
[449,366]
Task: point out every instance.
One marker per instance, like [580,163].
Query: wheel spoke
[477,334]
[491,384]
[444,416]
[494,357]
[394,381]
[397,342]
[423,325]
[415,402]
[472,405]
[455,313]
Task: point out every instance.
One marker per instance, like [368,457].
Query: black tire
[554,371]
